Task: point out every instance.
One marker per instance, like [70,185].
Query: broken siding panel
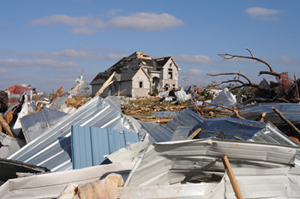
[90,144]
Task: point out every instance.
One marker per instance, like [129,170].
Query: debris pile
[195,142]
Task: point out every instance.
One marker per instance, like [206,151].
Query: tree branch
[230,56]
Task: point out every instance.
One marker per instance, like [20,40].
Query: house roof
[127,67]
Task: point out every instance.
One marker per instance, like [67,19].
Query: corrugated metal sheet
[289,110]
[36,124]
[247,130]
[53,148]
[90,144]
[186,117]
[168,163]
[253,183]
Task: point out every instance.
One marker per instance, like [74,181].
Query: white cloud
[112,13]
[68,53]
[196,59]
[83,31]
[66,20]
[145,21]
[193,72]
[89,25]
[285,59]
[41,62]
[263,13]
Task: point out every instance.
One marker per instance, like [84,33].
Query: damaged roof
[127,67]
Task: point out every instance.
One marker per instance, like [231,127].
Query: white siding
[165,73]
[140,76]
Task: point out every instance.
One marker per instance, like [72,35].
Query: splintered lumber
[237,114]
[232,178]
[57,94]
[106,84]
[157,120]
[119,93]
[6,127]
[202,114]
[194,134]
[263,116]
[284,119]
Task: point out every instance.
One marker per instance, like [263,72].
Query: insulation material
[105,189]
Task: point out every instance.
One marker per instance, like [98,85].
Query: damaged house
[140,75]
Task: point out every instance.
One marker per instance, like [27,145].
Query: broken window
[141,84]
[170,74]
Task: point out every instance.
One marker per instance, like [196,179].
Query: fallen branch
[284,119]
[185,79]
[237,114]
[202,114]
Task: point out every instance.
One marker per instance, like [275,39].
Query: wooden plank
[235,186]
[284,119]
[6,127]
[194,134]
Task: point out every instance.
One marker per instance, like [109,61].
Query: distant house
[140,75]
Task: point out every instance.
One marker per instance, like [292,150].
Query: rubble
[174,145]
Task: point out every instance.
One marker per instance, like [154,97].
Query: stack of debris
[96,149]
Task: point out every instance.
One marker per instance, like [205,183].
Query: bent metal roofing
[52,149]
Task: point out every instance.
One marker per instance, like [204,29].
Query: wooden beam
[232,178]
[263,116]
[194,134]
[106,84]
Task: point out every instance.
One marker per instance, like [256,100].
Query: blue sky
[47,43]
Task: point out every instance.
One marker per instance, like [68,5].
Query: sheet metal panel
[174,162]
[52,149]
[35,124]
[289,110]
[90,144]
[186,117]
